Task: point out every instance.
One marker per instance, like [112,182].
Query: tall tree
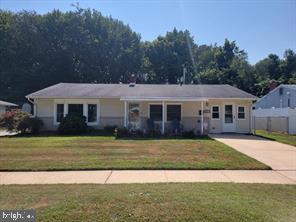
[168,55]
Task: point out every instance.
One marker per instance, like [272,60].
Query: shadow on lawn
[104,134]
[166,138]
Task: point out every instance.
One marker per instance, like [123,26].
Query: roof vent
[132,80]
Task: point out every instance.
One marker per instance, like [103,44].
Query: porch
[166,115]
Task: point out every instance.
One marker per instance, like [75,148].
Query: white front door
[134,116]
[228,119]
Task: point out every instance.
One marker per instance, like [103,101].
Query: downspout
[202,119]
[34,106]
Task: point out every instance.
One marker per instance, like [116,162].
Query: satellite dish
[27,108]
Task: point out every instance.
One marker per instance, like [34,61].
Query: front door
[228,119]
[134,116]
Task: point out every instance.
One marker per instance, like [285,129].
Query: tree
[168,55]
[82,45]
[77,46]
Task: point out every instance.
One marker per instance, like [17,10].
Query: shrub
[150,124]
[8,120]
[136,133]
[73,124]
[154,133]
[121,132]
[176,126]
[18,120]
[30,125]
[188,134]
[110,129]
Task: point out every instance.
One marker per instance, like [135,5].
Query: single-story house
[202,108]
[5,105]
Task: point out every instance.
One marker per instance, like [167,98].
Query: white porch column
[125,117]
[85,112]
[65,109]
[202,119]
[163,116]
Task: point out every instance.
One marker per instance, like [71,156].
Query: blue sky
[260,27]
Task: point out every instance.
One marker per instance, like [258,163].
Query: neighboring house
[276,111]
[282,96]
[218,108]
[4,106]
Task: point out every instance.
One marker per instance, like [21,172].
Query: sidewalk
[148,176]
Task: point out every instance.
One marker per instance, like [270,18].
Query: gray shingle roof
[3,103]
[83,90]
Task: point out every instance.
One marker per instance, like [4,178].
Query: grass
[154,202]
[279,137]
[97,152]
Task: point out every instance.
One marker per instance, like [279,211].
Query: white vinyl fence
[275,119]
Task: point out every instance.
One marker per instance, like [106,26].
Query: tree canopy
[37,51]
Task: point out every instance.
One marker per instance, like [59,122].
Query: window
[92,113]
[173,112]
[281,91]
[215,112]
[241,112]
[60,112]
[76,109]
[155,112]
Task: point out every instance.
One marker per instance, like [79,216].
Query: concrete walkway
[146,176]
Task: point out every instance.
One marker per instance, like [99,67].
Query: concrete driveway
[278,156]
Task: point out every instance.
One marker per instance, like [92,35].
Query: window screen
[241,112]
[173,112]
[92,113]
[60,112]
[76,109]
[156,112]
[215,112]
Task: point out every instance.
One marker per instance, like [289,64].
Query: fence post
[268,128]
[288,121]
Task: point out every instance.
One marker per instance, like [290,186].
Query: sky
[259,27]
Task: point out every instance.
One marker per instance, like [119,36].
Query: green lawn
[154,202]
[94,152]
[280,137]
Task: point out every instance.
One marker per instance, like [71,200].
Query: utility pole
[184,74]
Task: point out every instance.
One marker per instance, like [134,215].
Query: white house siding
[2,110]
[111,112]
[44,107]
[242,125]
[190,115]
[44,111]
